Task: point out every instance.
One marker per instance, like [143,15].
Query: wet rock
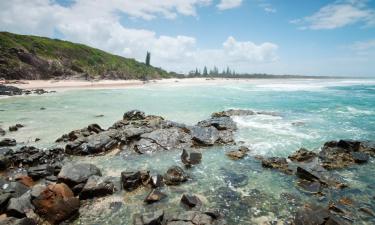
[16,221]
[189,158]
[302,155]
[311,215]
[77,173]
[16,189]
[4,199]
[156,181]
[18,207]
[134,115]
[175,175]
[97,186]
[4,162]
[238,154]
[191,218]
[2,132]
[7,142]
[360,157]
[154,196]
[313,187]
[190,201]
[15,127]
[311,174]
[84,132]
[277,163]
[131,180]
[205,136]
[41,171]
[152,218]
[56,203]
[220,123]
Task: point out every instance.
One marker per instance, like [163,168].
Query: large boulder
[189,158]
[97,186]
[204,136]
[55,203]
[190,201]
[175,175]
[2,132]
[134,115]
[18,207]
[8,142]
[220,123]
[73,174]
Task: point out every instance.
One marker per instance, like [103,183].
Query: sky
[301,37]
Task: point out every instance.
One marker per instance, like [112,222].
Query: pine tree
[205,73]
[148,59]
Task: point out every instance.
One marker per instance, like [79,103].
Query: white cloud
[229,4]
[339,14]
[364,45]
[82,22]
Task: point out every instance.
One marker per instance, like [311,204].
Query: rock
[56,203]
[311,215]
[360,157]
[302,155]
[235,179]
[77,173]
[157,180]
[16,189]
[7,142]
[163,139]
[18,207]
[9,90]
[190,201]
[368,211]
[25,180]
[152,218]
[40,171]
[220,123]
[42,108]
[204,136]
[2,132]
[131,180]
[4,162]
[238,154]
[175,175]
[4,199]
[16,221]
[154,196]
[134,115]
[193,217]
[189,158]
[233,112]
[15,127]
[82,133]
[97,186]
[312,187]
[277,163]
[320,175]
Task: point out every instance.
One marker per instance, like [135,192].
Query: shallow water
[309,112]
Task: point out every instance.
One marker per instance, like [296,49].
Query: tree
[148,59]
[205,73]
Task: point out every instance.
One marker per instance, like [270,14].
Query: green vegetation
[32,57]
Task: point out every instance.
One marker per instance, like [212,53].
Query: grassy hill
[32,57]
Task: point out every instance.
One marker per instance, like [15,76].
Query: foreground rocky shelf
[11,91]
[48,186]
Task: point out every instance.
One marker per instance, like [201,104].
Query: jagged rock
[277,163]
[9,90]
[93,144]
[84,132]
[56,203]
[131,180]
[152,218]
[302,155]
[204,136]
[77,173]
[238,154]
[7,142]
[16,189]
[190,201]
[97,186]
[155,196]
[4,162]
[234,112]
[175,175]
[312,175]
[25,180]
[4,199]
[40,171]
[220,123]
[312,187]
[15,127]
[360,157]
[191,157]
[18,207]
[156,180]
[134,115]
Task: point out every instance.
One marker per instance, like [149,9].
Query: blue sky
[265,36]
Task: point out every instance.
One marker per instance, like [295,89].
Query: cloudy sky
[311,37]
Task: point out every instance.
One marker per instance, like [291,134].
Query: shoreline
[110,84]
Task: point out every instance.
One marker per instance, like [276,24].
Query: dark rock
[56,203]
[9,90]
[37,139]
[77,173]
[320,175]
[18,207]
[155,196]
[131,180]
[152,218]
[51,178]
[134,115]
[233,112]
[4,162]
[156,181]
[189,158]
[16,189]
[2,132]
[204,136]
[191,218]
[40,171]
[312,187]
[7,142]
[190,201]
[97,186]
[4,199]
[360,157]
[238,154]
[15,127]
[220,123]
[84,132]
[302,155]
[175,175]
[16,221]
[311,215]
[277,163]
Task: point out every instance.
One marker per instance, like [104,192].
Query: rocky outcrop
[76,174]
[11,91]
[7,142]
[97,186]
[302,155]
[15,127]
[238,154]
[81,133]
[131,180]
[277,163]
[175,175]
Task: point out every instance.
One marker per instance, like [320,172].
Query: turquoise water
[309,112]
